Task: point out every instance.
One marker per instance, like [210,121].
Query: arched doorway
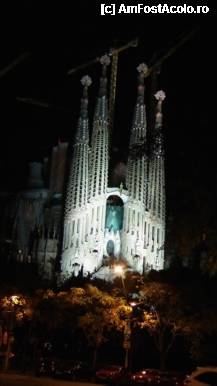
[114,213]
[110,248]
[113,226]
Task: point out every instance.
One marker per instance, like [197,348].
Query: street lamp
[128,333]
[11,303]
[119,270]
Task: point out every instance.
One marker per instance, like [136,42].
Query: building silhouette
[102,222]
[71,215]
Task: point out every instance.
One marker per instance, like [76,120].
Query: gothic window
[153,233]
[148,232]
[158,232]
[78,226]
[73,227]
[133,218]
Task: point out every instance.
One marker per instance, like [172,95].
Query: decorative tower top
[86,81]
[158,149]
[105,61]
[99,143]
[160,96]
[142,70]
[82,133]
[138,133]
[101,112]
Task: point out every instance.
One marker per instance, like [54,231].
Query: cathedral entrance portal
[114,213]
[113,225]
[110,248]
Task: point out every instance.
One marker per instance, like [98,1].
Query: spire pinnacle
[138,133]
[105,61]
[82,128]
[159,96]
[86,82]
[158,148]
[142,70]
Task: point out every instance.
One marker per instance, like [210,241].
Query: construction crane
[113,82]
[34,102]
[13,64]
[45,105]
[153,69]
[113,53]
[181,41]
[112,93]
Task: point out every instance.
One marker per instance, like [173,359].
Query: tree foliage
[162,309]
[169,312]
[163,315]
[103,312]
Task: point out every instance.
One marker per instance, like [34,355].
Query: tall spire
[82,134]
[101,111]
[137,160]
[77,192]
[158,147]
[138,132]
[99,142]
[137,165]
[156,189]
[156,194]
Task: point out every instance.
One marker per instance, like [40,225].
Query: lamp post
[119,270]
[10,304]
[11,301]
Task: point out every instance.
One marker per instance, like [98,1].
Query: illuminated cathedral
[103,223]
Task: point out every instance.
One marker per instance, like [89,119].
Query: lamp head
[118,269]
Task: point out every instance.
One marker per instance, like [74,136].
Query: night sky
[58,37]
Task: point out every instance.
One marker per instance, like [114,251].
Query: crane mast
[112,93]
[114,52]
[153,70]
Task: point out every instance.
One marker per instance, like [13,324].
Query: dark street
[28,380]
